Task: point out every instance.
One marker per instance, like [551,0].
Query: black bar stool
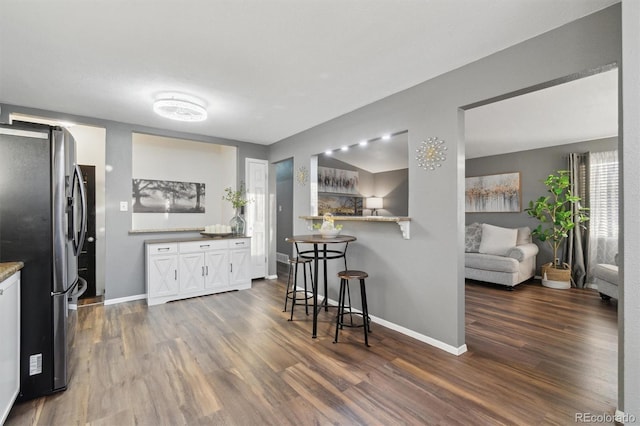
[345,276]
[292,287]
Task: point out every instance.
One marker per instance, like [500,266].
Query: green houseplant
[238,200]
[558,214]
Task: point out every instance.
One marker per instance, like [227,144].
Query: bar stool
[292,287]
[345,276]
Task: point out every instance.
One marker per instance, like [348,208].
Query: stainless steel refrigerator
[42,223]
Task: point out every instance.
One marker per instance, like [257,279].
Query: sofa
[606,278]
[498,255]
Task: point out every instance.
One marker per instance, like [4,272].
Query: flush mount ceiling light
[179,109]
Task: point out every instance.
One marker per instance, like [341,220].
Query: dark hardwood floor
[535,356]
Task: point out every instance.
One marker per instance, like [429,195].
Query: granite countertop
[187,239]
[363,218]
[9,268]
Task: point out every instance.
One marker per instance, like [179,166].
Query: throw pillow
[472,237]
[497,240]
[524,236]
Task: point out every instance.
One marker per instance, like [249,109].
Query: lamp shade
[373,203]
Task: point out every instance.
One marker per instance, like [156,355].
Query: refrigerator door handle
[77,244]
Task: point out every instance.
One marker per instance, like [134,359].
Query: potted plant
[558,214]
[238,200]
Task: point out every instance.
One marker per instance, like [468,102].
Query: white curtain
[603,204]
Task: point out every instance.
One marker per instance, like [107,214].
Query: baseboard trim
[623,418]
[271,277]
[457,351]
[124,299]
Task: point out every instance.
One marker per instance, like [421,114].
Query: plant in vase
[238,200]
[558,214]
[327,227]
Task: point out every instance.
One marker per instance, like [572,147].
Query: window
[603,204]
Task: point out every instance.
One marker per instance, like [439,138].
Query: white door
[256,175]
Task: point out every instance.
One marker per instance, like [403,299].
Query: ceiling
[264,69]
[378,155]
[579,110]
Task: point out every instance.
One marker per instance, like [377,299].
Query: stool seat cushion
[352,274]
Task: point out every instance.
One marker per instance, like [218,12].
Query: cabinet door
[240,266]
[10,347]
[216,269]
[163,275]
[192,272]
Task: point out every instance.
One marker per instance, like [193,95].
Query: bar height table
[324,255]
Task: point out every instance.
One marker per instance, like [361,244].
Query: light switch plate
[124,206]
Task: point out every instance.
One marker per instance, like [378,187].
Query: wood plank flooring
[536,356]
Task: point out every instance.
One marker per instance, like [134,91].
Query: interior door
[256,174]
[87,256]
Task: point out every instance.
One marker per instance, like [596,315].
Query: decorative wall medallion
[431,153]
[302,175]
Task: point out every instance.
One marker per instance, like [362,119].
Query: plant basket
[555,274]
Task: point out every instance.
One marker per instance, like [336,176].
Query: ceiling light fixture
[179,109]
[345,148]
[364,143]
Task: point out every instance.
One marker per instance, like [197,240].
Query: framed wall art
[500,193]
[164,196]
[337,181]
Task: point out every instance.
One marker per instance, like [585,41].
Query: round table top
[320,239]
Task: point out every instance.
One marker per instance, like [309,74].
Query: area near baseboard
[407,332]
[282,257]
[124,299]
[421,337]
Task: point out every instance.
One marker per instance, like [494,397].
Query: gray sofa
[606,278]
[493,254]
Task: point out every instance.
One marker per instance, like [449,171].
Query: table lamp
[373,203]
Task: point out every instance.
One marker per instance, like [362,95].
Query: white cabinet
[162,270]
[241,266]
[10,347]
[188,268]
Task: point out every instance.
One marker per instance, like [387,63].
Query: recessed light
[363,143]
[386,137]
[345,148]
[328,152]
[179,109]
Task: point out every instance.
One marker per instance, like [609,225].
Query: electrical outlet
[124,206]
[35,364]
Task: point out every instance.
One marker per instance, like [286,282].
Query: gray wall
[419,283]
[124,263]
[629,305]
[284,205]
[534,166]
[393,186]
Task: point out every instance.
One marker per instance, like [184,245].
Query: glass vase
[238,223]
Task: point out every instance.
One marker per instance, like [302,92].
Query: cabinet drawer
[198,246]
[240,243]
[162,248]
